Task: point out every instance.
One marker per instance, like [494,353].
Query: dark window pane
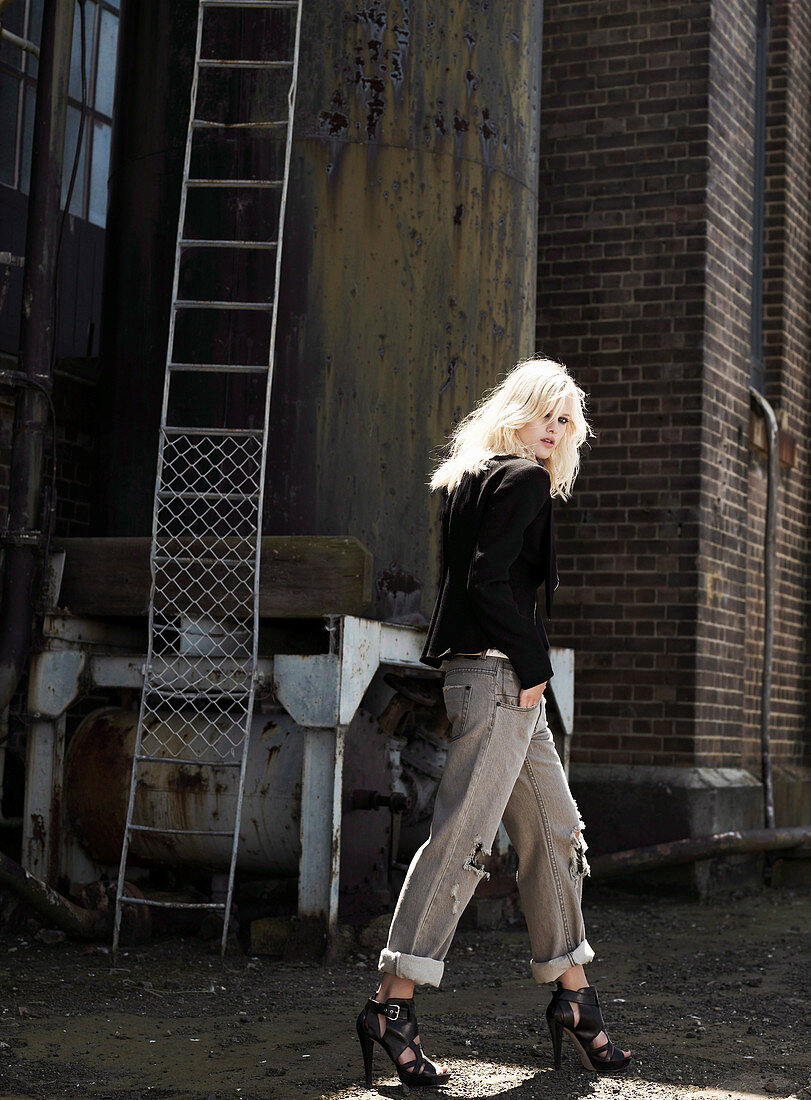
[12,21]
[105,74]
[76,52]
[9,95]
[29,103]
[100,163]
[34,33]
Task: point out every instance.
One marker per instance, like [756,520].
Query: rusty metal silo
[409,262]
[410,257]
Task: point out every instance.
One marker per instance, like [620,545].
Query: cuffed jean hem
[552,970]
[413,967]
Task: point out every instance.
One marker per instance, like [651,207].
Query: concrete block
[627,806]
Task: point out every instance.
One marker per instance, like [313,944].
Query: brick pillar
[645,266]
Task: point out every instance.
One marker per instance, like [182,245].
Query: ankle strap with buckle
[391,1010]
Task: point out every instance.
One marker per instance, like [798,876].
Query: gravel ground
[713,1001]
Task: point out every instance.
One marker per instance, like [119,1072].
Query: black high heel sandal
[560,1016]
[401,1031]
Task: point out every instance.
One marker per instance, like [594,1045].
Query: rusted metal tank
[408,281]
[410,257]
[97,778]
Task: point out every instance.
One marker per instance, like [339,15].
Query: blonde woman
[507,461]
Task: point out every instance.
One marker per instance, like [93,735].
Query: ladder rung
[186,303]
[212,124]
[194,242]
[234,691]
[181,832]
[269,184]
[224,368]
[187,763]
[237,688]
[248,3]
[239,433]
[208,559]
[170,494]
[174,904]
[222,63]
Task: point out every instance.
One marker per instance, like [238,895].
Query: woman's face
[542,436]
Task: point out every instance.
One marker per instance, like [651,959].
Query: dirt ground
[713,1000]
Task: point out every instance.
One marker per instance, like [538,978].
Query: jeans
[502,764]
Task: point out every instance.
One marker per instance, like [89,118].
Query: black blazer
[497,549]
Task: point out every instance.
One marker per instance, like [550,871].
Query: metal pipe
[700,847]
[765,410]
[37,337]
[85,924]
[15,40]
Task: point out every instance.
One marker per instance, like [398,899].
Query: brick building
[648,288]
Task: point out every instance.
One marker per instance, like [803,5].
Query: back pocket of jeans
[457,700]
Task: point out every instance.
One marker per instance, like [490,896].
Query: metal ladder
[201,669]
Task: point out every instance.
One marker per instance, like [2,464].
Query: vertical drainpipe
[765,410]
[760,404]
[37,335]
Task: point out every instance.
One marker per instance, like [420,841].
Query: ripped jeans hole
[455,898]
[578,864]
[472,862]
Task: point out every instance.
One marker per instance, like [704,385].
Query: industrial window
[18,82]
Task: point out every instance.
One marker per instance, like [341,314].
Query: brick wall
[734,478]
[644,290]
[727,527]
[621,261]
[787,338]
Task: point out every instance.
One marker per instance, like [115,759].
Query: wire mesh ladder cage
[201,667]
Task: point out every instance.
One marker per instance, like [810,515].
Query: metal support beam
[319,865]
[44,768]
[308,687]
[55,681]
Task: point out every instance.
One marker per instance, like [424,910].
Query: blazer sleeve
[518,500]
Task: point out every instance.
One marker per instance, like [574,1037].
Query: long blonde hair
[533,388]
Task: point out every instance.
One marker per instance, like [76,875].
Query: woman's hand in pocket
[530,697]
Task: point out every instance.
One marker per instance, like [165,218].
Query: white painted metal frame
[320,692]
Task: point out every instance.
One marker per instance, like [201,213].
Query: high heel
[367,1046]
[401,1031]
[607,1058]
[556,1031]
